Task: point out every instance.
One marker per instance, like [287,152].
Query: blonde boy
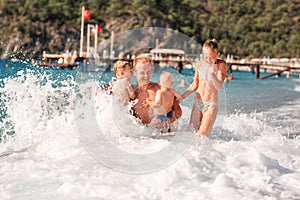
[164,99]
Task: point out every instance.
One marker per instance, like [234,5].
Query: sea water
[252,152]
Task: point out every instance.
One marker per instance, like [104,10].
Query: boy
[210,73]
[164,99]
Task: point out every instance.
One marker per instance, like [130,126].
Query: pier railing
[182,62]
[274,69]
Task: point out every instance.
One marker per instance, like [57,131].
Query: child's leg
[196,117]
[166,126]
[156,123]
[208,120]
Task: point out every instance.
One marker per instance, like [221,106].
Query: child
[164,97]
[210,73]
[122,89]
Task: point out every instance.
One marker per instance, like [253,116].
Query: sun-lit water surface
[253,151]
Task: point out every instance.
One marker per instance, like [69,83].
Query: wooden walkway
[50,60]
[68,61]
[274,69]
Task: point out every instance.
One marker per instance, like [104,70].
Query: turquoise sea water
[244,94]
[252,152]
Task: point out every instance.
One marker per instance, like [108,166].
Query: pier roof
[168,51]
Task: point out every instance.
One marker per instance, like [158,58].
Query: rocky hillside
[245,28]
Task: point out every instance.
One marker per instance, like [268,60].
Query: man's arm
[177,112]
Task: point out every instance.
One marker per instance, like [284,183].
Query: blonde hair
[166,79]
[120,64]
[141,59]
[211,44]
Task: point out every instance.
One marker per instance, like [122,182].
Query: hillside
[245,28]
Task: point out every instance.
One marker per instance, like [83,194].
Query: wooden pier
[63,61]
[255,68]
[274,69]
[68,61]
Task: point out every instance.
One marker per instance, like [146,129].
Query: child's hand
[151,94]
[179,98]
[146,103]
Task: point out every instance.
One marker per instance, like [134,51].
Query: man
[146,90]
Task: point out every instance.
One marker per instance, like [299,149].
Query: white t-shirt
[119,90]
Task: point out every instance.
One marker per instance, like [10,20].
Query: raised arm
[218,79]
[130,91]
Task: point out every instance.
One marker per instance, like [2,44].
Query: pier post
[257,71]
[229,70]
[252,69]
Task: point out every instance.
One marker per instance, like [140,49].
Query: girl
[210,73]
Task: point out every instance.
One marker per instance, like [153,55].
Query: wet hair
[165,79]
[120,64]
[211,44]
[141,59]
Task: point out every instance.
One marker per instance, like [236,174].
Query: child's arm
[156,102]
[130,91]
[193,87]
[177,94]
